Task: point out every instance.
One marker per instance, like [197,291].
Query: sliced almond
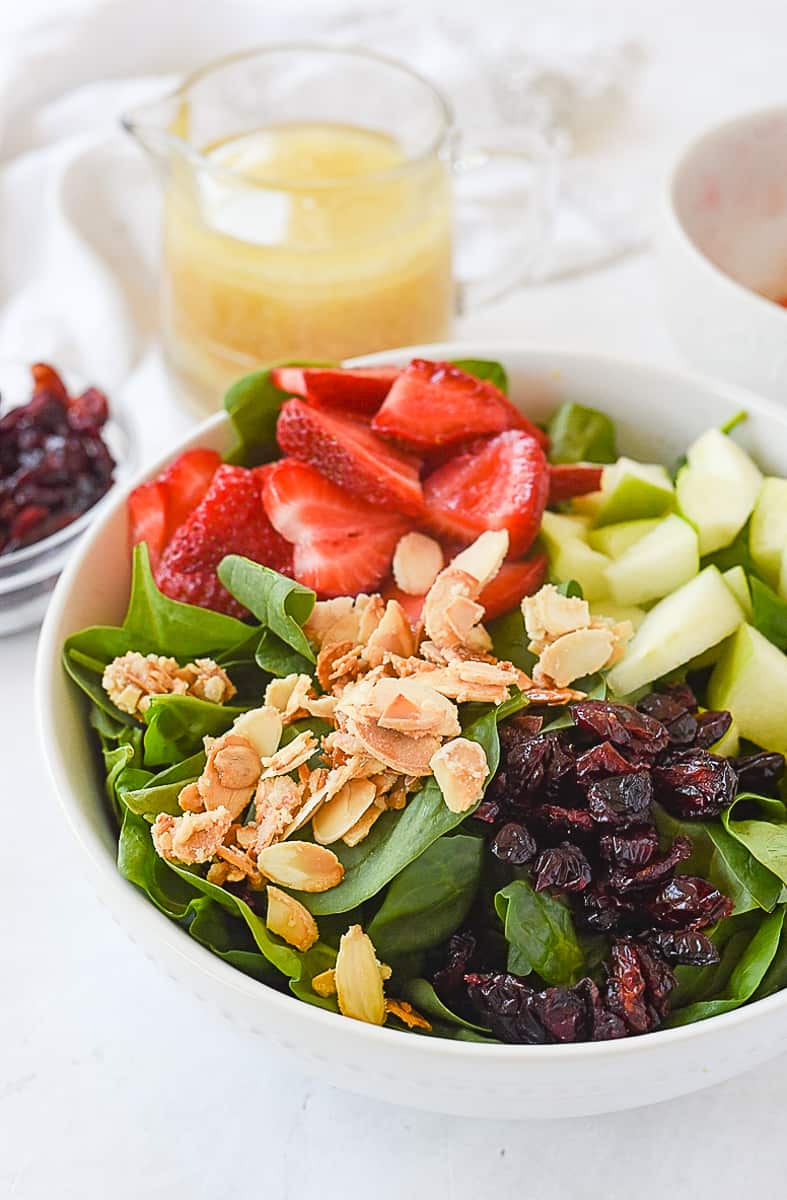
[325,615]
[334,819]
[288,918]
[417,561]
[393,635]
[549,614]
[291,756]
[363,826]
[262,727]
[189,798]
[460,768]
[324,984]
[573,656]
[301,865]
[359,987]
[484,558]
[403,753]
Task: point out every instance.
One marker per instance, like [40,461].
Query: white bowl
[657,412]
[723,251]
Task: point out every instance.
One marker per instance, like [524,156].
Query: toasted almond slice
[417,561]
[484,558]
[290,757]
[405,754]
[334,819]
[189,798]
[324,615]
[262,727]
[549,614]
[324,984]
[413,706]
[460,768]
[359,987]
[301,865]
[407,1014]
[287,917]
[363,825]
[393,635]
[573,656]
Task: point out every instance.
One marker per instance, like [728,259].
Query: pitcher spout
[159,126]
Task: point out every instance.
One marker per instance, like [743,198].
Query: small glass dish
[28,575]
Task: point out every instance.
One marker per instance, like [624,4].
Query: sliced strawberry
[346,452]
[502,485]
[573,479]
[513,581]
[187,479]
[412,605]
[230,519]
[435,404]
[354,389]
[147,518]
[341,546]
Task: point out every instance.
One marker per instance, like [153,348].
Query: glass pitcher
[308,212]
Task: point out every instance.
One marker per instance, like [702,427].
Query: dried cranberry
[622,725]
[625,990]
[688,902]
[461,951]
[622,800]
[658,977]
[88,411]
[632,848]
[624,879]
[759,772]
[695,783]
[564,867]
[686,947]
[514,844]
[554,816]
[563,1014]
[676,717]
[711,727]
[600,761]
[604,1025]
[505,1004]
[604,911]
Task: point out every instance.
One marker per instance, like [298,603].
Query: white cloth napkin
[79,202]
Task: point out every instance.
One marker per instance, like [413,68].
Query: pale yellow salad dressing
[266,259]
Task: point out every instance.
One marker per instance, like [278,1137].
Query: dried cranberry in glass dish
[59,462]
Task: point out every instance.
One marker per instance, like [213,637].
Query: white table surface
[113,1083]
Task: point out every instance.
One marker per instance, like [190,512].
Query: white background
[114,1083]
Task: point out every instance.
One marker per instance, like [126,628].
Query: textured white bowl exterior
[723,249]
[657,412]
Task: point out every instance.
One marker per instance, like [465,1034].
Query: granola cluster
[391,694]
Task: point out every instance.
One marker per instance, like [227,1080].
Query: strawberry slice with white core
[349,454]
[567,480]
[502,484]
[434,404]
[354,389]
[341,546]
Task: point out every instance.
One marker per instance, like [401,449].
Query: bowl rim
[123,898]
[769,309]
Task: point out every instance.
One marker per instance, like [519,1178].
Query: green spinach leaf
[724,860]
[280,605]
[483,368]
[159,793]
[769,613]
[175,726]
[253,405]
[765,834]
[430,898]
[424,998]
[579,434]
[540,934]
[754,959]
[510,640]
[398,838]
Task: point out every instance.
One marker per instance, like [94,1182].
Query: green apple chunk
[634,491]
[614,540]
[618,612]
[736,581]
[750,679]
[717,489]
[570,557]
[678,629]
[768,529]
[656,564]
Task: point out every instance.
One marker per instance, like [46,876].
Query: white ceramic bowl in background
[657,413]
[723,252]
